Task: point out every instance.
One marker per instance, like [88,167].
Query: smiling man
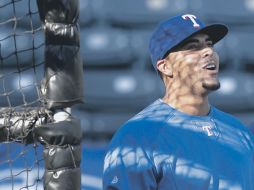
[180,141]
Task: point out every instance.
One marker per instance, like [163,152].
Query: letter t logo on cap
[192,18]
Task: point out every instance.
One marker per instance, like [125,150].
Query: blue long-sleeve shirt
[164,149]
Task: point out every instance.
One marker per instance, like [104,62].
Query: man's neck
[189,104]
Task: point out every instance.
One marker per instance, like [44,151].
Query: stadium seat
[140,41]
[232,12]
[244,40]
[110,89]
[101,124]
[237,46]
[86,16]
[101,46]
[236,92]
[142,13]
[227,60]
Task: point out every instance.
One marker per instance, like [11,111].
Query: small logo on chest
[208,129]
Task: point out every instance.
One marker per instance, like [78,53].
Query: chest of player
[205,155]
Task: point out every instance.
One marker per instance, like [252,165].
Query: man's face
[195,64]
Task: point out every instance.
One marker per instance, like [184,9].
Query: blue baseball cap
[172,32]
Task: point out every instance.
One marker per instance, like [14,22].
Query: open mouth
[210,66]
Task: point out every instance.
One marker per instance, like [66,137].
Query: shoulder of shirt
[233,122]
[156,111]
[226,117]
[147,122]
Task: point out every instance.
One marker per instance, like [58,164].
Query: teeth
[210,66]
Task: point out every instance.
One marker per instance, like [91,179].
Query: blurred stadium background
[119,79]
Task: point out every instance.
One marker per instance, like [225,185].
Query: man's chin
[211,85]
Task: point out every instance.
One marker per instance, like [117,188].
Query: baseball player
[181,141]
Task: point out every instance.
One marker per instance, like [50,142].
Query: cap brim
[215,31]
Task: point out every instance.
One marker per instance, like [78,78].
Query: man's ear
[164,67]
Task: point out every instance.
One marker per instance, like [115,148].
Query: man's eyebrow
[208,39]
[192,40]
[195,40]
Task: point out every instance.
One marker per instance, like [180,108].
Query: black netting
[21,54]
[21,102]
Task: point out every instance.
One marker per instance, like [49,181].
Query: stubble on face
[211,85]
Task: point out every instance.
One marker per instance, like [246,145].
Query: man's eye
[191,46]
[210,44]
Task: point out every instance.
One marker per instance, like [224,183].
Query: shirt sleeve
[127,165]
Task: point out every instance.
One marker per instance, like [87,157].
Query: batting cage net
[40,79]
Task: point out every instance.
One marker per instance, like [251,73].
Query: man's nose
[207,51]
